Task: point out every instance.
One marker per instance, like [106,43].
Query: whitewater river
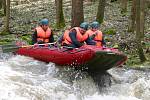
[23,78]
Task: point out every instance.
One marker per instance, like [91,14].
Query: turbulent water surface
[23,78]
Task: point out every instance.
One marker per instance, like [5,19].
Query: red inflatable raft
[87,56]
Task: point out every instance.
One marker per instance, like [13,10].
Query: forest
[124,23]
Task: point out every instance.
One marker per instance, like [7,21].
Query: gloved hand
[104,46]
[36,45]
[93,36]
[57,44]
[46,45]
[81,44]
[40,42]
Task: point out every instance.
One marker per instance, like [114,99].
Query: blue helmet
[95,24]
[44,21]
[84,25]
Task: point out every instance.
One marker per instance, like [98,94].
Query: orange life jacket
[43,35]
[98,37]
[67,39]
[65,35]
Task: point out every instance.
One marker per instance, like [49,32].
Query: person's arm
[51,38]
[72,35]
[89,41]
[60,39]
[92,36]
[34,37]
[103,41]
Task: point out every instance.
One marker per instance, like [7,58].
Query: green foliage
[5,41]
[123,13]
[147,35]
[2,43]
[1,14]
[60,25]
[148,6]
[110,31]
[115,45]
[4,33]
[27,38]
[108,39]
[134,61]
[147,42]
[100,20]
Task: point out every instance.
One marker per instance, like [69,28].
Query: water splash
[23,78]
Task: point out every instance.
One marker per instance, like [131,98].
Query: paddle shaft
[12,48]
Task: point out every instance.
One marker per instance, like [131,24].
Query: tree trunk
[7,15]
[100,12]
[113,0]
[124,6]
[60,21]
[142,18]
[148,3]
[4,7]
[131,27]
[92,0]
[77,13]
[138,33]
[1,3]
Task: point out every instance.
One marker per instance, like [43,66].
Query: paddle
[13,47]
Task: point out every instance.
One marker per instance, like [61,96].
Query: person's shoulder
[99,31]
[35,29]
[89,30]
[73,30]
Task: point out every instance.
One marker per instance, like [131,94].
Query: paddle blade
[8,48]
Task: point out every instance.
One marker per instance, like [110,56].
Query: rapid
[23,78]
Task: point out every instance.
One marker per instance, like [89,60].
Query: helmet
[84,25]
[44,22]
[95,24]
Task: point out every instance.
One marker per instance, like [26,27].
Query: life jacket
[97,38]
[64,36]
[67,39]
[42,35]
